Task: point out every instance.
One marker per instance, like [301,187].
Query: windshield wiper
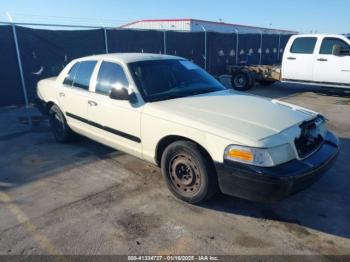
[199,92]
[187,94]
[169,97]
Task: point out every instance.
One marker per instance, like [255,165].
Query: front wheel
[189,174]
[58,124]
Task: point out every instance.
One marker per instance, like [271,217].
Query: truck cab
[317,59]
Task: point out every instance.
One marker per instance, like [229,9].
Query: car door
[116,123]
[298,59]
[329,68]
[74,94]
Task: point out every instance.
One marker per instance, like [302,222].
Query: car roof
[130,57]
[320,35]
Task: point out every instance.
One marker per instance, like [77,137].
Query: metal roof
[204,21]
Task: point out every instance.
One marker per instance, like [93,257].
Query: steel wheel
[185,175]
[240,80]
[189,173]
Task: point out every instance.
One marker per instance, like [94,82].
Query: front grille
[310,139]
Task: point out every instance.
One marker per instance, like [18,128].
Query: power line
[35,18]
[66,17]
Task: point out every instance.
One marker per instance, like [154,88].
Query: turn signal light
[241,155]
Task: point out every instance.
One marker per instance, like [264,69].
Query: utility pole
[19,60]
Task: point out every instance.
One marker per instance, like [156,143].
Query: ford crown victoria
[170,112]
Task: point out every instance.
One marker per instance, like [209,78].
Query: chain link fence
[30,52]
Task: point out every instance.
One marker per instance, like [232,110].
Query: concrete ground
[85,198]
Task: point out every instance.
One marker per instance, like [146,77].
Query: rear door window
[328,43]
[83,74]
[304,45]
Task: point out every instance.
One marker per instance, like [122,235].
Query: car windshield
[168,79]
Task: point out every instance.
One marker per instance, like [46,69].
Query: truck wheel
[242,81]
[59,127]
[189,175]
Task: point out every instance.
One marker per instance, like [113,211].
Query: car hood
[231,114]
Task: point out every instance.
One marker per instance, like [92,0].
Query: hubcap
[240,80]
[184,175]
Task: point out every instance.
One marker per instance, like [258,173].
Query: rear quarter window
[71,75]
[304,45]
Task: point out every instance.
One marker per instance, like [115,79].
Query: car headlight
[249,155]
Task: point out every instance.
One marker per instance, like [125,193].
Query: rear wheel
[59,127]
[189,174]
[242,80]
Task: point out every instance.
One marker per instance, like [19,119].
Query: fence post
[164,39]
[205,44]
[279,47]
[19,60]
[106,39]
[261,47]
[237,43]
[205,49]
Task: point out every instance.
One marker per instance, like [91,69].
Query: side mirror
[120,93]
[336,50]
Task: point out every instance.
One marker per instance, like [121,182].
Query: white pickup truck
[322,60]
[170,112]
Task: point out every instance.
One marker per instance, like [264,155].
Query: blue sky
[329,16]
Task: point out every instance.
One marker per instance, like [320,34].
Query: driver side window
[110,75]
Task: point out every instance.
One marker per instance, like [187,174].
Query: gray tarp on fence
[269,49]
[221,51]
[45,52]
[189,45]
[248,48]
[10,82]
[122,41]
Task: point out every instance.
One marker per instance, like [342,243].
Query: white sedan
[168,111]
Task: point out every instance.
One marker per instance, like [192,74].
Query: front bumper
[271,184]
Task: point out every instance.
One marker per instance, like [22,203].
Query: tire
[266,83]
[242,80]
[189,174]
[58,124]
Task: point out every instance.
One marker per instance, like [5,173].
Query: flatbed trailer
[244,77]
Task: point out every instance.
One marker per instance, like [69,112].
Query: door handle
[322,59]
[92,103]
[61,94]
[291,58]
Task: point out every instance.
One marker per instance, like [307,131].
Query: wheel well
[166,141]
[49,105]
